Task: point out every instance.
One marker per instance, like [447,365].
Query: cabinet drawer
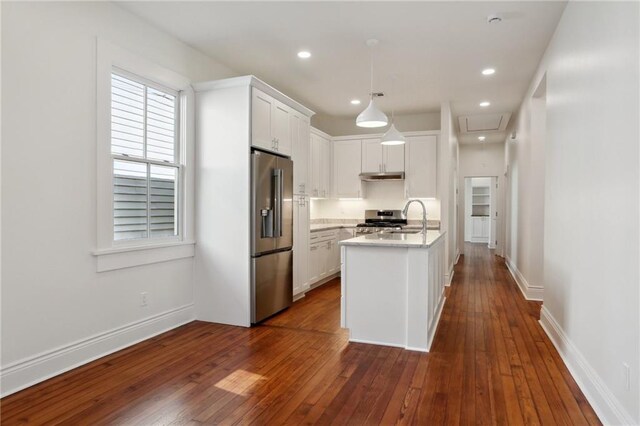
[320,236]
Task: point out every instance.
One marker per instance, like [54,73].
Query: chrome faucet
[424,213]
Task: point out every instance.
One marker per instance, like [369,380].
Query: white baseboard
[448,277]
[436,321]
[323,280]
[605,404]
[35,369]
[528,291]
[298,296]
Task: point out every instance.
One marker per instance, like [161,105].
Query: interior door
[493,212]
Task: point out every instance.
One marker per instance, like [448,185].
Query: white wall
[345,126]
[379,195]
[52,297]
[591,201]
[480,159]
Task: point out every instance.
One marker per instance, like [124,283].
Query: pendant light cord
[371,88]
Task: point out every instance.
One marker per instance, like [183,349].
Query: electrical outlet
[627,376]
[143,299]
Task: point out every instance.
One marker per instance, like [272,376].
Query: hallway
[491,363]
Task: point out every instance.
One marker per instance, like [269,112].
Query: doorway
[480,210]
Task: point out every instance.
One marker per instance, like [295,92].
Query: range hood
[382,176]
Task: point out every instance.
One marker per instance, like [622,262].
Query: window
[145,156]
[145,163]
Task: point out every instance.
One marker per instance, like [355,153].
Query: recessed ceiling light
[304,54]
[355,101]
[485,103]
[481,138]
[488,71]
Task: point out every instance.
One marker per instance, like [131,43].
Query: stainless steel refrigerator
[272,234]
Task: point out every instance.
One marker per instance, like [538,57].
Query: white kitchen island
[393,288]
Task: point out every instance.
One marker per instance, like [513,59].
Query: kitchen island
[393,288]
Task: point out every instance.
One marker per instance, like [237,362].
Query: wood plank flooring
[491,363]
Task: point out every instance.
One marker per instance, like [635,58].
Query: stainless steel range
[381,220]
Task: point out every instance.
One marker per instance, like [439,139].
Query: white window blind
[144,129]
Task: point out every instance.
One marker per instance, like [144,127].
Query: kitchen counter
[395,240]
[329,226]
[393,288]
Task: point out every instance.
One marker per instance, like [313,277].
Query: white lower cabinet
[324,253]
[300,244]
[480,229]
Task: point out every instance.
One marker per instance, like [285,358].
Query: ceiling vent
[484,122]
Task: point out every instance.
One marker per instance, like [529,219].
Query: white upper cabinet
[300,144]
[346,168]
[281,127]
[320,165]
[393,156]
[378,158]
[262,106]
[421,170]
[270,123]
[371,156]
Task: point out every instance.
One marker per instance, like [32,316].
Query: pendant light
[393,135]
[372,116]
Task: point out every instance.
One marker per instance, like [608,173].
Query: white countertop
[395,240]
[330,226]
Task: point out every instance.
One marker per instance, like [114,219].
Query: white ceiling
[436,49]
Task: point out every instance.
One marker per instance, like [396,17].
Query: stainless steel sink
[402,231]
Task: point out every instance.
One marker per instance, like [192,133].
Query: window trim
[111,58]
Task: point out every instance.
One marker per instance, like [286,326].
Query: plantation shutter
[144,128]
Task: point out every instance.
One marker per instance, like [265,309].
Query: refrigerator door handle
[278,188]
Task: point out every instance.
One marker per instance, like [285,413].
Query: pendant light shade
[393,137]
[372,117]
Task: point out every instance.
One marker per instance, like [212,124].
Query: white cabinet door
[486,228]
[476,228]
[346,168]
[325,168]
[300,244]
[262,106]
[420,167]
[393,156]
[316,263]
[281,128]
[300,145]
[334,257]
[314,165]
[371,156]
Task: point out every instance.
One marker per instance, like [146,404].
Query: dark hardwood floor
[491,363]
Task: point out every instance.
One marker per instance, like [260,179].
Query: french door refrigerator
[272,234]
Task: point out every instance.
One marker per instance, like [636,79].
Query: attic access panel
[483,122]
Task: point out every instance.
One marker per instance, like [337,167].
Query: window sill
[130,256]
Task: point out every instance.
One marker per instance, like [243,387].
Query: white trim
[322,281]
[320,133]
[128,257]
[603,401]
[108,57]
[253,81]
[528,291]
[373,342]
[26,372]
[379,135]
[299,296]
[448,277]
[436,322]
